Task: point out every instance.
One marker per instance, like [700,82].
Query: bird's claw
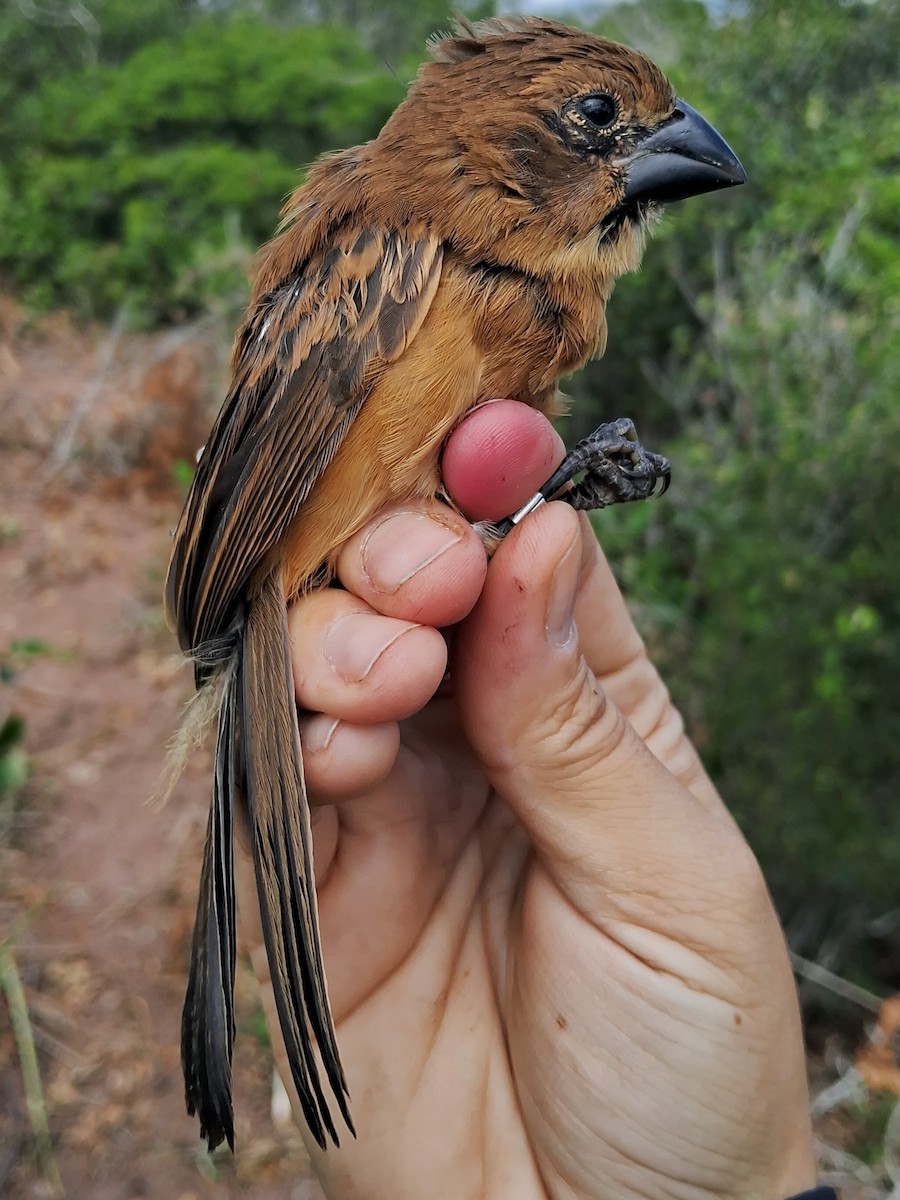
[616,469]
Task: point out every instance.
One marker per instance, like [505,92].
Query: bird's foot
[616,469]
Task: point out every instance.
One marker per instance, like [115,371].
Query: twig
[65,441]
[845,234]
[57,1048]
[687,293]
[892,1150]
[849,1087]
[43,950]
[834,983]
[11,982]
[843,1165]
[886,923]
[72,14]
[176,338]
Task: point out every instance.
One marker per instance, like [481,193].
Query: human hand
[554,965]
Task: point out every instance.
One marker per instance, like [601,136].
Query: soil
[97,884]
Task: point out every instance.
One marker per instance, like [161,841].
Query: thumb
[597,804]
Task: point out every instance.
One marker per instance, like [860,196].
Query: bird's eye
[601,110]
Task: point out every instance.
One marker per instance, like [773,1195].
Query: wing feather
[304,362]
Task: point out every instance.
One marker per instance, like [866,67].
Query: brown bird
[467,252]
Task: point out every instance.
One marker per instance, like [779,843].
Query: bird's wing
[304,362]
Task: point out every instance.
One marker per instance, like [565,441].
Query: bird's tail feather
[207,1021]
[282,853]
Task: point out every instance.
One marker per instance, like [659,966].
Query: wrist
[799,1176]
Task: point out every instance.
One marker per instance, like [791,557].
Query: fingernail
[356,641]
[563,593]
[400,545]
[318,732]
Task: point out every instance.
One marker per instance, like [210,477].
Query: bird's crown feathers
[468,38]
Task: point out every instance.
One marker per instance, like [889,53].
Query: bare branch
[835,984]
[11,984]
[65,441]
[67,15]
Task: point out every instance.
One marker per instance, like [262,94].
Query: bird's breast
[484,337]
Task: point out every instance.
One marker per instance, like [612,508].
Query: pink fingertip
[497,457]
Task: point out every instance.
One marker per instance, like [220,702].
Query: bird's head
[546,148]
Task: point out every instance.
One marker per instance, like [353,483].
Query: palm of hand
[496,1035]
[428,1004]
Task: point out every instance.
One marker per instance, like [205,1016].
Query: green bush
[134,167]
[761,342]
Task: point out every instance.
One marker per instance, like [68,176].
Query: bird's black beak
[684,157]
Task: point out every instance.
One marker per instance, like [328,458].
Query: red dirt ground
[97,886]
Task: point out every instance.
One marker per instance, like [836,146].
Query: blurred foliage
[390,27]
[142,144]
[14,762]
[13,757]
[125,180]
[761,338]
[146,149]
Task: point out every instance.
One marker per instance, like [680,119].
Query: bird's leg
[616,469]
